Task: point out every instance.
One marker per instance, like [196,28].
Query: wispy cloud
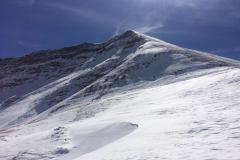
[140,28]
[146,17]
[147,29]
[154,14]
[85,13]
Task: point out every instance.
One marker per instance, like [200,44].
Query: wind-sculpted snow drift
[132,97]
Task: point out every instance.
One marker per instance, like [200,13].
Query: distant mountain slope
[62,98]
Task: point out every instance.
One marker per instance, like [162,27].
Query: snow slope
[132,97]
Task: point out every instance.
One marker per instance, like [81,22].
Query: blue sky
[206,25]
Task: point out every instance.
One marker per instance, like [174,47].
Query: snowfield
[148,101]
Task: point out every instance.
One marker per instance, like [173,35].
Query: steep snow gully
[133,97]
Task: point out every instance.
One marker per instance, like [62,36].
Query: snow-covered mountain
[133,97]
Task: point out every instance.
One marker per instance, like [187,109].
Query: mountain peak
[128,34]
[131,33]
[137,36]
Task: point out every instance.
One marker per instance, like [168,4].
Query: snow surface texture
[131,98]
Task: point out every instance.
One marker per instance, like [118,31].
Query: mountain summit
[132,97]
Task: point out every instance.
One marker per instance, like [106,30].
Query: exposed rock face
[43,67]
